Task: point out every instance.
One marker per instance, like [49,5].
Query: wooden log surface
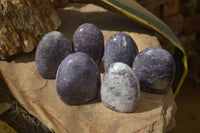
[155,112]
[23,23]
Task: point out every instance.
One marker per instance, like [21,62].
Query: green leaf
[137,13]
[5,128]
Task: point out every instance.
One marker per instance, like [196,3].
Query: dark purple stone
[52,49]
[89,39]
[78,79]
[155,69]
[120,48]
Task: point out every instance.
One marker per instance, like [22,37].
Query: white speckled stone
[120,89]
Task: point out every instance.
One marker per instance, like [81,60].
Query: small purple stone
[155,69]
[78,79]
[52,49]
[89,39]
[120,48]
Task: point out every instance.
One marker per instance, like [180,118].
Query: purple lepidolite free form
[120,89]
[52,49]
[155,69]
[78,79]
[89,39]
[120,48]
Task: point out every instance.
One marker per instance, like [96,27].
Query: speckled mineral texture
[155,69]
[120,48]
[52,49]
[89,39]
[78,79]
[120,88]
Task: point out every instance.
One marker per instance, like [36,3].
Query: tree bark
[23,23]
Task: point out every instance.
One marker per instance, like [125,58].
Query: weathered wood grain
[23,23]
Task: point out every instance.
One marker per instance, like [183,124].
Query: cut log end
[23,23]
